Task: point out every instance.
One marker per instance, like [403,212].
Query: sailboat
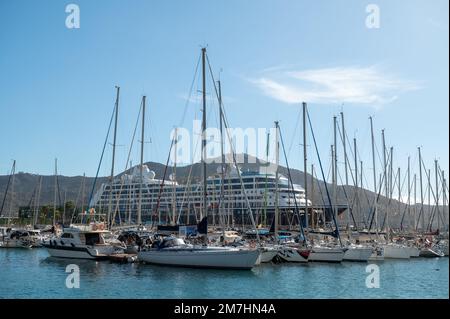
[175,251]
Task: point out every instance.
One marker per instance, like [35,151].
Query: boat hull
[202,258]
[414,252]
[430,253]
[377,254]
[267,255]
[324,254]
[15,243]
[292,254]
[78,252]
[361,254]
[396,252]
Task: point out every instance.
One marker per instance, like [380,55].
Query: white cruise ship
[179,203]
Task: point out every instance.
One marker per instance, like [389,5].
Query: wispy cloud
[354,85]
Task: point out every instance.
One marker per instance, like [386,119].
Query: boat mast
[444,199]
[55,192]
[111,178]
[436,177]
[421,192]
[64,207]
[205,191]
[12,193]
[141,172]
[174,179]
[83,182]
[429,196]
[313,215]
[305,170]
[335,167]
[374,174]
[373,157]
[399,190]
[415,222]
[409,188]
[349,210]
[277,162]
[222,157]
[385,177]
[333,173]
[36,213]
[356,181]
[345,148]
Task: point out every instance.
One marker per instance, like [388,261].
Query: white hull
[266,255]
[70,254]
[292,254]
[202,257]
[396,252]
[15,243]
[430,253]
[413,252]
[96,252]
[326,254]
[355,253]
[377,254]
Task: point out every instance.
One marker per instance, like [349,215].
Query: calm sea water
[32,274]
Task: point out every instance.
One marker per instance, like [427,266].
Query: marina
[165,166]
[251,221]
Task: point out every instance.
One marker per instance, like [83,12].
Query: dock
[123,258]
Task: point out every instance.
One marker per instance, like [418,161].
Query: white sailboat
[174,251]
[377,253]
[431,252]
[358,253]
[396,251]
[293,254]
[326,254]
[267,254]
[16,239]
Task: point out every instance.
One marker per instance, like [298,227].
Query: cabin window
[92,239]
[66,235]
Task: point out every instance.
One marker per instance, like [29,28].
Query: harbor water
[33,274]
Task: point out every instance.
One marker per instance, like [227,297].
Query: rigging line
[59,190]
[126,165]
[225,122]
[376,198]
[189,182]
[297,124]
[190,92]
[161,188]
[293,191]
[76,201]
[346,158]
[7,188]
[346,197]
[321,193]
[323,175]
[103,152]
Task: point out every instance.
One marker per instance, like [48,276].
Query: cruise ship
[182,203]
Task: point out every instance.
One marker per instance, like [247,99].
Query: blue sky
[57,84]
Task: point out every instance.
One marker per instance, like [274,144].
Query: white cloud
[354,85]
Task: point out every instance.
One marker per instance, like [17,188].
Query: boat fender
[62,243]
